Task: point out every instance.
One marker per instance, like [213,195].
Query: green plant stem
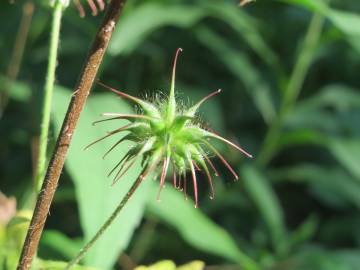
[106,225]
[48,93]
[293,88]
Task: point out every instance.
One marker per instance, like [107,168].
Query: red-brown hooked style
[94,9]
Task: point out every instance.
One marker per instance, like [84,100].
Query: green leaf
[338,96]
[350,256]
[315,257]
[95,195]
[323,115]
[197,229]
[346,151]
[134,27]
[317,5]
[238,63]
[163,265]
[331,185]
[17,228]
[195,265]
[60,243]
[264,197]
[304,232]
[18,91]
[345,21]
[314,113]
[246,27]
[39,264]
[301,137]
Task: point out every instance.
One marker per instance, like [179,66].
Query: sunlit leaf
[163,265]
[146,19]
[151,16]
[197,229]
[196,265]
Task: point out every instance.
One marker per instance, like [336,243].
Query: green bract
[166,135]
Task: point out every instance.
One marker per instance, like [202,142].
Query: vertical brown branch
[76,105]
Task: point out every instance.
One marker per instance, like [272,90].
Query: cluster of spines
[152,117]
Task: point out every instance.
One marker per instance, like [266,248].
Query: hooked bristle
[101,4]
[92,7]
[172,87]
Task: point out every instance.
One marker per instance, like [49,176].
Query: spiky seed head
[167,136]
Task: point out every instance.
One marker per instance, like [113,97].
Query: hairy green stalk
[48,93]
[106,225]
[293,88]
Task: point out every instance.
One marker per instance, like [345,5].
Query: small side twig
[106,225]
[76,105]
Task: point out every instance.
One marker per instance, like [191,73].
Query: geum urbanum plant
[166,135]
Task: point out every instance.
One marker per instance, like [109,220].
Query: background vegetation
[290,74]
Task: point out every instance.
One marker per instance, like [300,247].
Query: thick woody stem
[76,105]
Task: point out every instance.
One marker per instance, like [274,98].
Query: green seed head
[167,135]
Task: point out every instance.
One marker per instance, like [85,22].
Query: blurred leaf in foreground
[163,265]
[169,265]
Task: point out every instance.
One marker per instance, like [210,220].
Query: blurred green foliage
[289,71]
[169,265]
